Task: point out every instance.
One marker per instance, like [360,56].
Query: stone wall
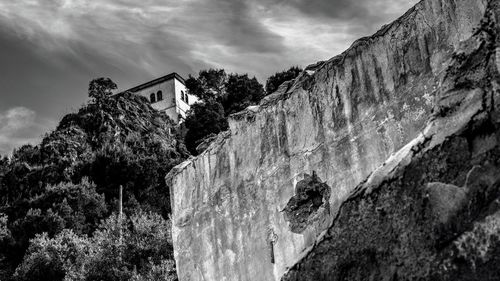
[432,212]
[337,122]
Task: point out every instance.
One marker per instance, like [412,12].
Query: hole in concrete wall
[311,195]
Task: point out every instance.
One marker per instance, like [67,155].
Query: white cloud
[16,118]
[18,126]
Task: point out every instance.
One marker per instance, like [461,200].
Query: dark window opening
[152,98]
[187,100]
[159,96]
[182,95]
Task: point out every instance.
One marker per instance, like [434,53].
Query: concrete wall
[182,106]
[340,119]
[168,102]
[172,103]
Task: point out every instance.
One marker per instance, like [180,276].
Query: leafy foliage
[79,205]
[71,179]
[221,95]
[241,92]
[52,258]
[101,88]
[109,141]
[4,231]
[165,270]
[210,84]
[74,206]
[273,82]
[135,248]
[235,92]
[204,119]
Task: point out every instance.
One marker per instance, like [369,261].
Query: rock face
[265,196]
[432,212]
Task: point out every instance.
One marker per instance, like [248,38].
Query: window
[159,96]
[152,98]
[184,97]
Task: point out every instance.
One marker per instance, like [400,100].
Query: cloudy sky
[51,49]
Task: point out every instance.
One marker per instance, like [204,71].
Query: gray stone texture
[342,119]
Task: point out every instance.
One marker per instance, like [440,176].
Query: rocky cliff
[432,211]
[265,196]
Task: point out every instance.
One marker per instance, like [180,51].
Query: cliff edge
[432,211]
[265,195]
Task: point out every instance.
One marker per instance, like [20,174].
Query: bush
[135,248]
[55,258]
[67,205]
[4,231]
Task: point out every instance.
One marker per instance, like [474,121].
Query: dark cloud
[362,15]
[338,9]
[51,49]
[230,23]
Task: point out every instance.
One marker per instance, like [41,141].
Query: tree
[5,241]
[279,78]
[221,95]
[202,120]
[4,164]
[241,91]
[214,80]
[27,153]
[210,84]
[146,243]
[164,271]
[4,231]
[4,168]
[101,88]
[79,205]
[235,92]
[111,141]
[67,205]
[196,88]
[55,258]
[135,248]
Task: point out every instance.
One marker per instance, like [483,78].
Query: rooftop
[156,81]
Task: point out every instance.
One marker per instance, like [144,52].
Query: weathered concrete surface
[432,212]
[340,119]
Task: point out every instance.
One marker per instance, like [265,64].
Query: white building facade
[168,94]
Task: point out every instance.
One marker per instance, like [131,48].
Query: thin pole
[120,203]
[120,217]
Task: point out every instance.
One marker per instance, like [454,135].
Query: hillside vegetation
[63,192]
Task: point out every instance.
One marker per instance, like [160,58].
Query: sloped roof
[157,81]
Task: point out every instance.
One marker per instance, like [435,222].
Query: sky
[51,49]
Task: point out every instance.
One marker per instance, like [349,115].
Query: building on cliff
[169,94]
